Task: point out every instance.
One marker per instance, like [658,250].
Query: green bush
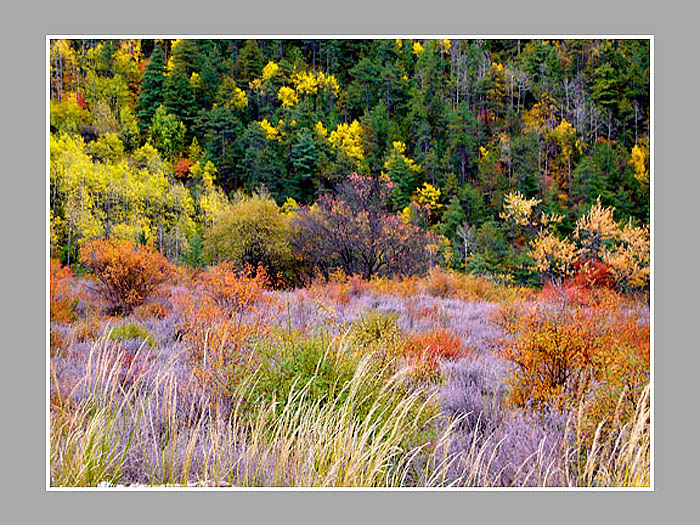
[293,361]
[67,116]
[127,331]
[253,231]
[325,368]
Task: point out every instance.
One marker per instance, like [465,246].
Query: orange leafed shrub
[424,351]
[127,273]
[220,327]
[150,310]
[62,294]
[219,348]
[183,276]
[339,287]
[566,350]
[182,168]
[57,343]
[437,283]
[234,291]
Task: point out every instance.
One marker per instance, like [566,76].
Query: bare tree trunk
[70,241]
[60,78]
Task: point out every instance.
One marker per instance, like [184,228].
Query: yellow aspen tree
[287,96]
[630,260]
[640,162]
[595,231]
[553,256]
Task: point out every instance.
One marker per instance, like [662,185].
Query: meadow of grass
[449,380]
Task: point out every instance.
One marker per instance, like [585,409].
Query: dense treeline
[152,140]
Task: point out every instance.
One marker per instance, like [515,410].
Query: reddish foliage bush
[220,327]
[63,297]
[182,168]
[57,343]
[127,274]
[425,351]
[339,287]
[234,291]
[151,310]
[81,101]
[567,292]
[592,273]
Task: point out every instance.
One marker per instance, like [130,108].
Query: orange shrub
[220,327]
[424,351]
[127,274]
[183,276]
[232,290]
[63,297]
[437,283]
[468,287]
[86,329]
[401,286]
[566,350]
[339,287]
[442,284]
[182,168]
[57,343]
[447,284]
[151,310]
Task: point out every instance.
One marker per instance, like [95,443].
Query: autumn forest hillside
[481,151]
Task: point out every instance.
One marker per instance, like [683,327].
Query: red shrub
[63,297]
[424,351]
[592,273]
[567,292]
[81,101]
[182,168]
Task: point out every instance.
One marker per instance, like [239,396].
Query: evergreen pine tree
[250,62]
[179,99]
[304,161]
[151,95]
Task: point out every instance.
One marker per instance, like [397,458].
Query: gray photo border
[24,298]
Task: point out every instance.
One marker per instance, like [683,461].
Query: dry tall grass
[144,425]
